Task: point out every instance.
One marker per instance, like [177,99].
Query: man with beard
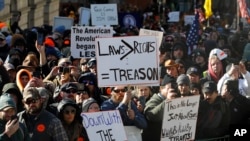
[213,115]
[239,104]
[42,125]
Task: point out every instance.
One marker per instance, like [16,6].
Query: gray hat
[183,79]
[6,101]
[86,103]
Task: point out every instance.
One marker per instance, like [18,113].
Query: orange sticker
[40,128]
[80,139]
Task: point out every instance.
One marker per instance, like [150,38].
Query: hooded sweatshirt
[18,78]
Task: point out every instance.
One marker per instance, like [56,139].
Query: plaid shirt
[44,127]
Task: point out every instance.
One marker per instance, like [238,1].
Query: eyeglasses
[29,101]
[85,82]
[119,90]
[67,112]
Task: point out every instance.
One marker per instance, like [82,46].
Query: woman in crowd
[69,114]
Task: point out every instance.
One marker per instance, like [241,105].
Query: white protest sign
[188,19]
[67,22]
[133,133]
[174,16]
[83,40]
[84,16]
[127,60]
[104,14]
[157,34]
[180,116]
[104,126]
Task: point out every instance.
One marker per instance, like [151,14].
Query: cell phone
[36,74]
[39,38]
[142,100]
[14,117]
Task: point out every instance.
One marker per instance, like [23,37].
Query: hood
[65,102]
[18,79]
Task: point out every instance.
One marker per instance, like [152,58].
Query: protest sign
[133,133]
[174,16]
[104,126]
[59,21]
[83,40]
[180,116]
[127,60]
[188,19]
[157,34]
[104,14]
[84,18]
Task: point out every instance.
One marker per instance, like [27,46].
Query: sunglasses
[71,91]
[119,90]
[29,101]
[67,112]
[87,82]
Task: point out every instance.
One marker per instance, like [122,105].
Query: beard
[35,110]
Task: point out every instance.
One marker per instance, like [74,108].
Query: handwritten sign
[157,34]
[174,16]
[188,19]
[180,116]
[127,60]
[84,16]
[104,14]
[104,126]
[67,22]
[83,40]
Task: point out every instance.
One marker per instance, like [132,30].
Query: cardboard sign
[180,116]
[83,40]
[157,34]
[84,16]
[127,60]
[174,16]
[188,19]
[104,126]
[104,14]
[133,133]
[67,22]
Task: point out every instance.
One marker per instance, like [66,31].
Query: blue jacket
[139,121]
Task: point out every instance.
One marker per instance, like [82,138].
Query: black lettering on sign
[77,30]
[136,48]
[87,53]
[106,135]
[135,74]
[85,47]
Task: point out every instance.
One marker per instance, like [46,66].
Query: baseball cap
[193,70]
[69,85]
[9,66]
[6,101]
[209,87]
[31,92]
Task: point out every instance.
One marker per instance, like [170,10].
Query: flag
[208,8]
[243,8]
[193,35]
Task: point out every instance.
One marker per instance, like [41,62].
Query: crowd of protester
[48,89]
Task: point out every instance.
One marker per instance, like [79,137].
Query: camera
[36,74]
[64,69]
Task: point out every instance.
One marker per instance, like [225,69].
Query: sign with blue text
[83,40]
[104,126]
[127,60]
[104,14]
[180,116]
